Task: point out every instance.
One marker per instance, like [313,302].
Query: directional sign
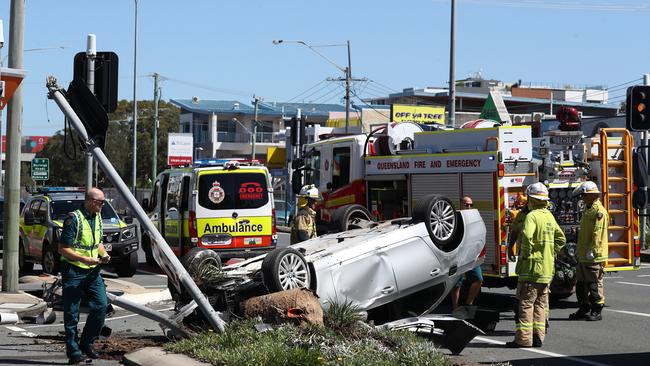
[41,169]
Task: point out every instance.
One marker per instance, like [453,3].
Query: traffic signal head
[637,109]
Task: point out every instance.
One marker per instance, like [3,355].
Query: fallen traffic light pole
[164,255]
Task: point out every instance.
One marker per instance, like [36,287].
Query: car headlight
[128,233]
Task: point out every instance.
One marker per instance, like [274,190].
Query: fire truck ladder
[615,154]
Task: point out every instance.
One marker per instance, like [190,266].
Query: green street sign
[41,169]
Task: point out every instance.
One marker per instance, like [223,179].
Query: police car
[41,225]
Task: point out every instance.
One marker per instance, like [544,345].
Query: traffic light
[637,108]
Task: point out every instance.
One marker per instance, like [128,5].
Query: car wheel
[23,266]
[346,217]
[51,261]
[127,265]
[439,216]
[284,269]
[198,257]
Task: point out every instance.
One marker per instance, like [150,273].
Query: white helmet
[310,191]
[586,187]
[537,190]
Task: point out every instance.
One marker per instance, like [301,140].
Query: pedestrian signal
[637,108]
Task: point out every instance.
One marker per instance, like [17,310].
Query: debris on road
[294,306]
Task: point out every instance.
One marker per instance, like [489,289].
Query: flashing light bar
[59,189]
[224,162]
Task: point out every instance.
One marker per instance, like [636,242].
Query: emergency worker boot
[596,313]
[537,342]
[580,314]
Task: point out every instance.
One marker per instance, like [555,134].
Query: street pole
[642,217]
[256,100]
[2,43]
[156,100]
[348,76]
[14,122]
[452,66]
[135,103]
[91,53]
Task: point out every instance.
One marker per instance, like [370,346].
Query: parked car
[41,225]
[368,267]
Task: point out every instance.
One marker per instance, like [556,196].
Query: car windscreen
[233,191]
[60,210]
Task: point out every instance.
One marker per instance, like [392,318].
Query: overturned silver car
[389,269]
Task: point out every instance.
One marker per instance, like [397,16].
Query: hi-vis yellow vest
[85,243]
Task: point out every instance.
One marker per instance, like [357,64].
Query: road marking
[628,312]
[150,273]
[22,331]
[542,352]
[107,319]
[613,277]
[633,283]
[643,275]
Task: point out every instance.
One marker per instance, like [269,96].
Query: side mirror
[127,219]
[145,204]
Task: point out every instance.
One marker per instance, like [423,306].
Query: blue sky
[223,49]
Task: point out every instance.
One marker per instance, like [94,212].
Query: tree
[71,171]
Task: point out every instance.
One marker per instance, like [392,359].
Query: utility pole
[452,66]
[135,103]
[643,212]
[348,76]
[156,100]
[256,100]
[2,43]
[10,255]
[91,54]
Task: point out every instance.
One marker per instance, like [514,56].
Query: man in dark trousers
[81,252]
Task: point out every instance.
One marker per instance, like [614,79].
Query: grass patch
[343,341]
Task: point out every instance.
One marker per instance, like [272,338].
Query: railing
[262,137]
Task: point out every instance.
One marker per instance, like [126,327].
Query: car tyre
[198,257]
[127,265]
[23,266]
[344,218]
[285,269]
[51,259]
[440,218]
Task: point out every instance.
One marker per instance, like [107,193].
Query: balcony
[262,137]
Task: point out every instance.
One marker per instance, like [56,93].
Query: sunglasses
[99,202]
[468,204]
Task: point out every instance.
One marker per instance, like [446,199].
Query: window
[341,167]
[312,174]
[154,194]
[233,191]
[33,207]
[60,209]
[41,213]
[173,192]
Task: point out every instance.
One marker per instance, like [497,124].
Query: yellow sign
[340,122]
[276,157]
[242,226]
[417,114]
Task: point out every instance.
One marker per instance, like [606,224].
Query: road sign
[41,169]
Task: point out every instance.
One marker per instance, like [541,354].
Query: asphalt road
[621,338]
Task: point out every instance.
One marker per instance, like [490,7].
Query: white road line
[634,284]
[150,273]
[14,328]
[613,277]
[107,319]
[643,275]
[545,353]
[629,312]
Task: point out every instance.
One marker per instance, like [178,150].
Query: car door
[172,214]
[414,264]
[27,224]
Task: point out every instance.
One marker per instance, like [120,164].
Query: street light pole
[256,100]
[135,102]
[154,148]
[91,54]
[452,67]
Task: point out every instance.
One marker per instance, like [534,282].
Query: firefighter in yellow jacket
[592,253]
[541,238]
[304,225]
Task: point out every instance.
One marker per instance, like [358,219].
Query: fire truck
[382,175]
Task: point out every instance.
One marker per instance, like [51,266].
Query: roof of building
[265,108]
